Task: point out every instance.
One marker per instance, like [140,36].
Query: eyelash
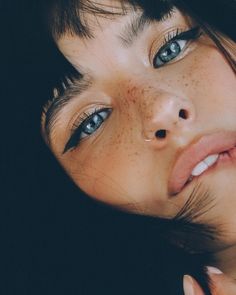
[174,37]
[84,119]
[77,131]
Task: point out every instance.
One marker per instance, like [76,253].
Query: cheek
[211,78]
[110,172]
[121,173]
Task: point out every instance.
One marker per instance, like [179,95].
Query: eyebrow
[139,23]
[63,94]
[75,86]
[133,29]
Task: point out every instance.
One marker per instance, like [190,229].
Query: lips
[195,155]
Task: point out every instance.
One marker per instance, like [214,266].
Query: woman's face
[155,100]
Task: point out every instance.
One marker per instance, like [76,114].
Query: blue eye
[92,123]
[172,48]
[88,125]
[169,52]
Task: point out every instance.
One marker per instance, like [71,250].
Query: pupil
[174,47]
[170,52]
[93,124]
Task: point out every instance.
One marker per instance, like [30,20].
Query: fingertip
[211,270]
[188,285]
[191,286]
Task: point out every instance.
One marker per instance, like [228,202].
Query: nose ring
[146,138]
[160,134]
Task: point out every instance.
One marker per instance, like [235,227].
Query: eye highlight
[174,45]
[88,125]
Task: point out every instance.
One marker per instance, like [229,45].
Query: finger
[191,287]
[220,283]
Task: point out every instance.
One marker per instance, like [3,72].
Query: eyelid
[162,40]
[104,114]
[85,114]
[73,141]
[170,36]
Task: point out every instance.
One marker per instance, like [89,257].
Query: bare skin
[150,114]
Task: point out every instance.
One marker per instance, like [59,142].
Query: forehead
[110,35]
[103,11]
[113,35]
[119,26]
[74,17]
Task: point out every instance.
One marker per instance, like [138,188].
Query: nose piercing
[160,134]
[146,138]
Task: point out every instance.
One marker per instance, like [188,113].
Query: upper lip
[194,153]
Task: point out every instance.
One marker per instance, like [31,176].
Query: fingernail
[188,285]
[213,270]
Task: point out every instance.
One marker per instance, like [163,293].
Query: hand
[220,284]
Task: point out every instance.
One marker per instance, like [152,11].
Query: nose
[164,115]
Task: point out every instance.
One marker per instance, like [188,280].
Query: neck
[226,261]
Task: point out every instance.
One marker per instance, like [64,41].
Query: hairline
[69,18]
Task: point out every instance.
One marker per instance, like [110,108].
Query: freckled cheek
[115,172]
[210,80]
[109,167]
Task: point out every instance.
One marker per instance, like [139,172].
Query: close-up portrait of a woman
[119,147]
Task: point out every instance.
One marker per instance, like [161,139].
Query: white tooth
[210,160]
[199,168]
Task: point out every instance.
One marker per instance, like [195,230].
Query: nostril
[161,133]
[183,114]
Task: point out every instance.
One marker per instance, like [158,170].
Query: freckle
[133,100]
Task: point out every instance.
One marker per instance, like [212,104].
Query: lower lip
[227,157]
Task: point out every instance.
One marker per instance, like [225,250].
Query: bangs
[68,16]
